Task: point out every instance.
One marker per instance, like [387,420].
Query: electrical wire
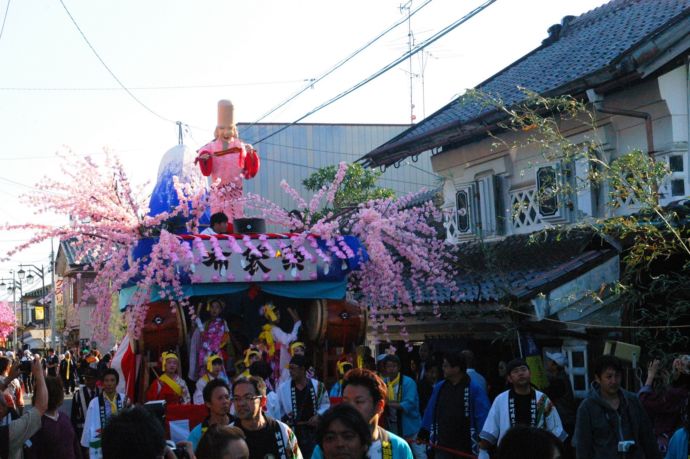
[136,99]
[337,66]
[7,8]
[589,325]
[385,69]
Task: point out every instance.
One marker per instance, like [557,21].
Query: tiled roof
[596,47]
[72,254]
[522,266]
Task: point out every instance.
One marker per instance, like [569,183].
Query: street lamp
[33,269]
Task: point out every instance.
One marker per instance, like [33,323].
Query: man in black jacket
[611,422]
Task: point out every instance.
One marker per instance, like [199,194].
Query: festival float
[189,291]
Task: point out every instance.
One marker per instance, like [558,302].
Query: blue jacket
[336,390]
[409,404]
[678,445]
[479,409]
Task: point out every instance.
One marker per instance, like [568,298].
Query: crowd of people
[441,409]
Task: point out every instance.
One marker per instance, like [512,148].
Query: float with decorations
[266,283]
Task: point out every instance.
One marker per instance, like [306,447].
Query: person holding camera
[664,400]
[611,422]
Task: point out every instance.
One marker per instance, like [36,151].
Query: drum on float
[338,322]
[165,329]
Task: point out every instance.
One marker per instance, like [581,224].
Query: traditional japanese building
[628,60]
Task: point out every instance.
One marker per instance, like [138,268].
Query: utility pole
[410,43]
[53,302]
[14,307]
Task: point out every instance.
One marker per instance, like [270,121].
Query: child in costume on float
[169,386]
[210,337]
[215,369]
[277,342]
[251,355]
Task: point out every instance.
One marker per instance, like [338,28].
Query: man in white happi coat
[106,404]
[521,405]
[302,400]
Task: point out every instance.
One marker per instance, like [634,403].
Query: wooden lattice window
[524,207]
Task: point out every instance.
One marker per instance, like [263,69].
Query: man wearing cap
[402,406]
[214,368]
[302,401]
[456,411]
[560,391]
[169,386]
[80,402]
[521,405]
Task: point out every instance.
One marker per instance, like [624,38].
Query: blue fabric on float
[331,290]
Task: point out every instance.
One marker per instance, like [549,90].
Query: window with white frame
[676,184]
[578,371]
[524,209]
[476,210]
[554,202]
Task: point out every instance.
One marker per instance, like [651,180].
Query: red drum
[339,322]
[165,328]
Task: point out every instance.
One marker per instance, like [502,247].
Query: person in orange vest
[169,386]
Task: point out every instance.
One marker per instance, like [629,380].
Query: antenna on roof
[410,44]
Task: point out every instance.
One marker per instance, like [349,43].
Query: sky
[178,58]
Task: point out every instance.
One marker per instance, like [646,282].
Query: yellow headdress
[266,335]
[209,361]
[247,354]
[269,312]
[341,367]
[295,345]
[168,355]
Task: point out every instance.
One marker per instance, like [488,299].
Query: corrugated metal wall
[301,149]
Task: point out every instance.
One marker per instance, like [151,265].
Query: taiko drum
[164,328]
[339,322]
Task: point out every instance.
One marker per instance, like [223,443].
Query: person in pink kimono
[228,160]
[210,337]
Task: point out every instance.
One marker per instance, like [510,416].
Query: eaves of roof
[657,37]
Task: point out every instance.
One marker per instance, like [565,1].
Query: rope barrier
[454,452]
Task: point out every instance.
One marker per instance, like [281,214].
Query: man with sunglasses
[265,436]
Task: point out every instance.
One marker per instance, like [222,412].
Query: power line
[388,67]
[151,88]
[338,65]
[108,68]
[7,8]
